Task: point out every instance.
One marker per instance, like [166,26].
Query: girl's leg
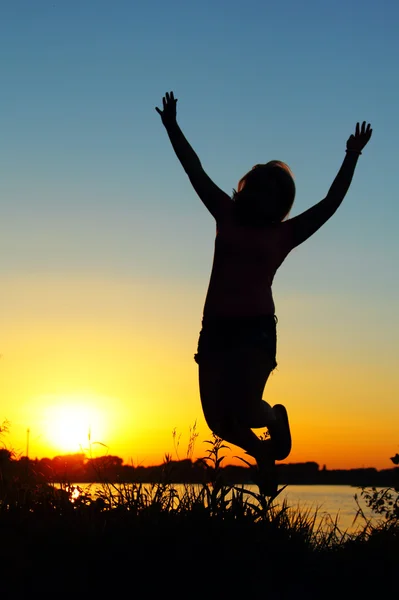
[226,380]
[215,398]
[253,370]
[231,386]
[256,368]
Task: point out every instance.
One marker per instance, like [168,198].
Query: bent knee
[220,423]
[215,424]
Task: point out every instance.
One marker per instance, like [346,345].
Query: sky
[106,251]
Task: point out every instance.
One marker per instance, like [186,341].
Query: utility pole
[27,442]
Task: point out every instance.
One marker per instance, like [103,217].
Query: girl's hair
[259,177]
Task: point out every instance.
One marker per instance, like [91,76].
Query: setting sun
[72,423]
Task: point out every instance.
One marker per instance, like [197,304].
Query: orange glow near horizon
[132,381]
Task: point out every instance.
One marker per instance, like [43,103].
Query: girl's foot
[280,434]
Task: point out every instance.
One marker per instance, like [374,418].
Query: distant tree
[395,459]
[105,467]
[385,501]
[45,468]
[69,467]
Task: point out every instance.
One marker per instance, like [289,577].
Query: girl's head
[266,193]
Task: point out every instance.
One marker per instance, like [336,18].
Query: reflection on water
[332,502]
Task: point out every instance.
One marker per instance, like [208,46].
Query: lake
[336,502]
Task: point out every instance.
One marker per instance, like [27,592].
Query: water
[332,502]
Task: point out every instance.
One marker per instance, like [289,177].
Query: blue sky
[90,187]
[89,181]
[80,138]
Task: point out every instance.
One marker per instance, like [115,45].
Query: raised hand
[357,142]
[168,114]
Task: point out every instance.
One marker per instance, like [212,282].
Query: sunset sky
[106,251]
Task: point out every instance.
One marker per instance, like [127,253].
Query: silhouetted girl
[237,344]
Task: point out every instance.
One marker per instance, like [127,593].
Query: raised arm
[215,200]
[307,223]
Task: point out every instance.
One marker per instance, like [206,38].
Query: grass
[210,539]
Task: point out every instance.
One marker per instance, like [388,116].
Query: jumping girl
[237,343]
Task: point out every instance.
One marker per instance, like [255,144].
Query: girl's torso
[245,261]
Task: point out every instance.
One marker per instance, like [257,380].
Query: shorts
[226,334]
